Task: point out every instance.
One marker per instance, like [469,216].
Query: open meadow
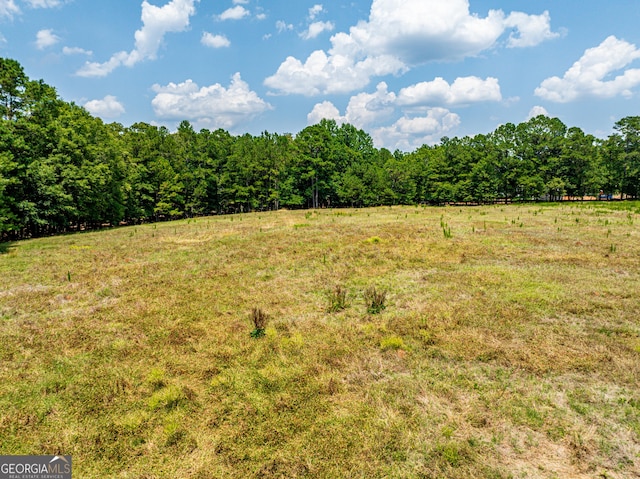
[505,343]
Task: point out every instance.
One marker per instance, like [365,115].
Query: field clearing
[509,345]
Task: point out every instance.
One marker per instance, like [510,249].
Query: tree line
[61,169]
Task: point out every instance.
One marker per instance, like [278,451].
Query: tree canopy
[63,169]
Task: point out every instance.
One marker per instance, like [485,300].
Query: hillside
[508,344]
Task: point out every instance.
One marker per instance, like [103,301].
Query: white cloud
[464,90]
[316,28]
[44,3]
[366,109]
[214,41]
[240,2]
[532,29]
[156,23]
[315,11]
[212,106]
[537,111]
[109,107]
[329,74]
[410,133]
[76,51]
[404,33]
[373,111]
[235,13]
[8,8]
[46,38]
[283,26]
[323,110]
[587,76]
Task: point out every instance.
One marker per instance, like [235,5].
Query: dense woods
[62,169]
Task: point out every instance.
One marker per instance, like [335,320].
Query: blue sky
[406,71]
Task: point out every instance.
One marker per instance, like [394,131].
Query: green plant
[392,342]
[375,300]
[259,319]
[337,299]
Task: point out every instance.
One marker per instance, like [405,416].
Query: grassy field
[505,344]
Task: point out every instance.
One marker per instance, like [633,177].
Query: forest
[61,169]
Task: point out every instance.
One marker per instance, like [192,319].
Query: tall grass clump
[375,300]
[337,299]
[259,319]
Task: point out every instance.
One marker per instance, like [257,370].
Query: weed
[337,299]
[375,300]
[259,319]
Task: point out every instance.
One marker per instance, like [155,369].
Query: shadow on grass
[6,247]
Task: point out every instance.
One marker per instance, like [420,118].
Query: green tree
[13,82]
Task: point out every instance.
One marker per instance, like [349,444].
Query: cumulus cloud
[109,107]
[329,74]
[156,23]
[46,38]
[315,11]
[366,109]
[587,76]
[537,111]
[531,29]
[363,110]
[409,133]
[76,51]
[325,110]
[235,13]
[316,28]
[214,41]
[462,91]
[374,111]
[211,106]
[403,33]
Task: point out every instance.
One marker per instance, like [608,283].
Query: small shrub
[259,319]
[375,300]
[337,299]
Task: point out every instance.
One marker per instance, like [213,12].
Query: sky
[408,72]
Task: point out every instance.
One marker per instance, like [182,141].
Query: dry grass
[509,348]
